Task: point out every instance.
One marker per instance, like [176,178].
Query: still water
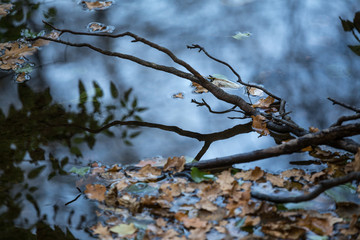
[296,49]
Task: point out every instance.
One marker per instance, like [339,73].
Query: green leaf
[35,172]
[355,49]
[80,171]
[113,90]
[199,176]
[124,229]
[240,35]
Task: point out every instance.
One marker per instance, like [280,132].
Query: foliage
[162,204]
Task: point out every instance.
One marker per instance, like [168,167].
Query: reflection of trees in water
[26,133]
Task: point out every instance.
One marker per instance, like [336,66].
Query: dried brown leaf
[178,95]
[252,175]
[199,88]
[98,5]
[264,102]
[259,125]
[175,164]
[225,180]
[102,231]
[4,8]
[96,191]
[145,173]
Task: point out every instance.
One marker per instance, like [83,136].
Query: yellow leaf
[124,229]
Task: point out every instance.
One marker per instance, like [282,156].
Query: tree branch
[322,137]
[322,187]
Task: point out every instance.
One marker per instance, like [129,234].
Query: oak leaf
[264,102]
[259,125]
[175,164]
[96,191]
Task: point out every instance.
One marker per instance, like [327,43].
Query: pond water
[298,50]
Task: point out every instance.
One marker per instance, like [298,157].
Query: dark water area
[298,50]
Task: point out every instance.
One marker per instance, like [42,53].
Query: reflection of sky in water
[297,50]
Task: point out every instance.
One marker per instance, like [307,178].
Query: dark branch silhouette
[320,188]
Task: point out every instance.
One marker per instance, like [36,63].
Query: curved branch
[322,187]
[203,150]
[322,137]
[211,137]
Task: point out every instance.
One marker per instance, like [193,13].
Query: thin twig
[203,103]
[344,105]
[322,187]
[346,118]
[201,49]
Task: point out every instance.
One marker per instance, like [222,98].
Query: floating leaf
[198,88]
[264,102]
[178,95]
[124,229]
[96,191]
[81,171]
[199,176]
[222,82]
[240,35]
[99,27]
[98,5]
[259,125]
[255,91]
[176,164]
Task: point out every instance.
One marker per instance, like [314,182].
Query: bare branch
[322,187]
[203,103]
[346,118]
[201,49]
[344,105]
[322,137]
